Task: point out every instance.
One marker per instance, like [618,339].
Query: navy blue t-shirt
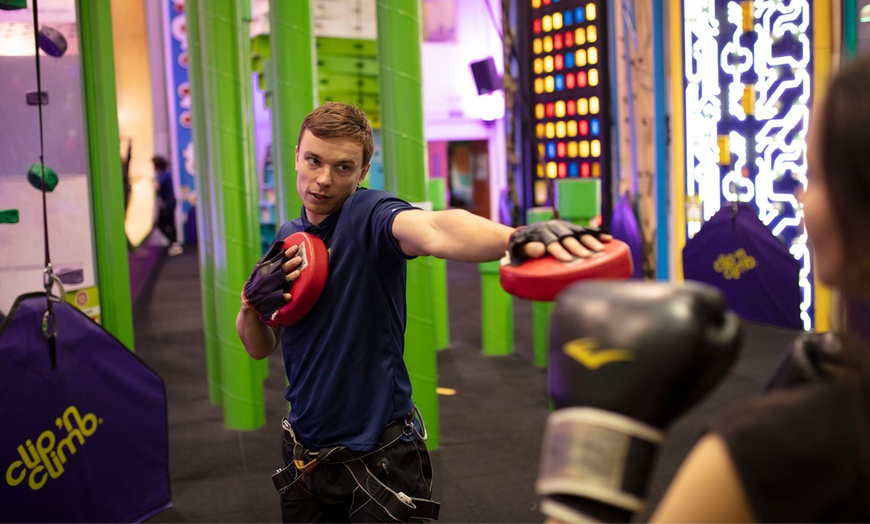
[344,359]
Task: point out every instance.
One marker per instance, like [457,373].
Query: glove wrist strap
[597,455]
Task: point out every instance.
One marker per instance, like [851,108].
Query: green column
[401,92]
[227,136]
[294,95]
[542,312]
[496,312]
[400,73]
[440,305]
[204,206]
[106,181]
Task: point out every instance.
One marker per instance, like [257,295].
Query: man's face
[329,171]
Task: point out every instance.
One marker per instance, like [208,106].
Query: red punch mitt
[264,290]
[544,278]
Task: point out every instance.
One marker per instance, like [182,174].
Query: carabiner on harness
[410,428]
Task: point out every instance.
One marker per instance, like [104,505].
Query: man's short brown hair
[341,120]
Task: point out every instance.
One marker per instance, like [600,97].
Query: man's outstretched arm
[456,234]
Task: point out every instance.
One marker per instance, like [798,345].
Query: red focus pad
[544,278]
[306,289]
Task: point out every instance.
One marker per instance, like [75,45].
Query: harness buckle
[285,477]
[405,499]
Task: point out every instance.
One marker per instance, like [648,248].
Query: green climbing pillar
[541,311]
[440,305]
[204,208]
[496,312]
[401,93]
[228,139]
[294,95]
[106,182]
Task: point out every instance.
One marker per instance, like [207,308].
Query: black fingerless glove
[547,232]
[265,288]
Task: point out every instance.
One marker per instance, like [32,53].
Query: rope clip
[49,281]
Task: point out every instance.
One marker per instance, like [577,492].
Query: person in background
[353,441]
[167,203]
[800,452]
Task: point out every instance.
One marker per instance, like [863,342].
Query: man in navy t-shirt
[352,440]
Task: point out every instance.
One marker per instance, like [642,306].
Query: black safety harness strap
[400,506]
[285,477]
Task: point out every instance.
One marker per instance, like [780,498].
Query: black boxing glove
[264,290]
[626,359]
[814,357]
[547,232]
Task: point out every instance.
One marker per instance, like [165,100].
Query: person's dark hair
[341,120]
[845,154]
[159,162]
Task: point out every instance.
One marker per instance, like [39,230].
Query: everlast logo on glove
[585,351]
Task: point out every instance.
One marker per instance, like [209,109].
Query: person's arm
[259,339]
[456,234]
[706,488]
